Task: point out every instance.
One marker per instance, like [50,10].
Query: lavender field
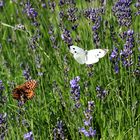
[72,101]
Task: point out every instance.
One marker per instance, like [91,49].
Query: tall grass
[115,117]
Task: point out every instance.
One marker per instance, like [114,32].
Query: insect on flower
[25,91]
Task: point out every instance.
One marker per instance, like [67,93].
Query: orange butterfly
[25,91]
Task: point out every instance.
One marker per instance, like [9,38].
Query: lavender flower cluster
[26,73]
[1,4]
[88,120]
[52,37]
[66,36]
[126,53]
[115,58]
[58,131]
[95,16]
[30,11]
[75,91]
[122,11]
[137,5]
[3,126]
[52,5]
[1,87]
[3,98]
[28,136]
[101,93]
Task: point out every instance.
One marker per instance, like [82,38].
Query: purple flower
[127,52]
[52,5]
[88,120]
[116,68]
[3,125]
[91,105]
[2,118]
[1,86]
[122,11]
[29,136]
[71,14]
[1,4]
[31,13]
[75,90]
[114,54]
[58,131]
[66,36]
[90,133]
[95,16]
[43,5]
[53,37]
[101,93]
[26,74]
[137,5]
[115,58]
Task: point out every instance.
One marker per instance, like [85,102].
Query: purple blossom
[3,98]
[137,5]
[88,120]
[43,5]
[122,11]
[101,93]
[95,16]
[71,14]
[1,86]
[90,133]
[66,2]
[66,36]
[127,52]
[75,91]
[3,125]
[53,37]
[52,5]
[1,4]
[58,131]
[31,13]
[26,73]
[115,58]
[29,136]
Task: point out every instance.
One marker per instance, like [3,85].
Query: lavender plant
[75,91]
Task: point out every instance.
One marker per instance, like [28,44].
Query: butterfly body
[25,91]
[87,57]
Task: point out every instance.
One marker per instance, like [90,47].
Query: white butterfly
[87,57]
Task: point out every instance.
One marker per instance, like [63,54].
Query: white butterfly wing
[93,56]
[80,58]
[79,54]
[75,49]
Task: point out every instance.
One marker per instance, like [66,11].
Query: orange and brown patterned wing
[25,91]
[32,84]
[29,94]
[16,93]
